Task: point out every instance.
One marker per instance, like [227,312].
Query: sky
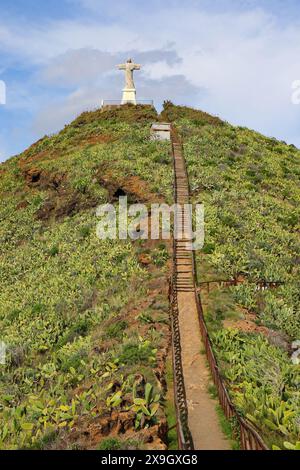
[232,58]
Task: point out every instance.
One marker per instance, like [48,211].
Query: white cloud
[80,66]
[40,44]
[245,61]
[55,115]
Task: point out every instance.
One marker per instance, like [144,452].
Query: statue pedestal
[129,96]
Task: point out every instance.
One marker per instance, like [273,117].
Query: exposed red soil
[63,201]
[134,187]
[31,156]
[118,424]
[27,158]
[145,259]
[65,204]
[248,322]
[37,178]
[22,205]
[247,325]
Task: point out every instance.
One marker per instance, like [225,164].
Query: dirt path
[202,416]
[203,420]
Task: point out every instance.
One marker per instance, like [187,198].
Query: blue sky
[234,58]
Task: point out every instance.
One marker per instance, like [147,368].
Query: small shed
[161,131]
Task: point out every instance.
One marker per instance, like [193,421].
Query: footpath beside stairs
[202,420]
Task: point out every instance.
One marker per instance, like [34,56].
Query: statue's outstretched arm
[121,67]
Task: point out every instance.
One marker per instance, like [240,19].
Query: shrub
[54,250]
[137,353]
[208,248]
[116,330]
[110,443]
[85,231]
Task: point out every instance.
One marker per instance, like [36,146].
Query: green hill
[86,321]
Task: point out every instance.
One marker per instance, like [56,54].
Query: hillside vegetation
[249,185]
[85,320]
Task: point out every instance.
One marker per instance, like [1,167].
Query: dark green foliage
[54,250]
[74,361]
[110,443]
[116,330]
[137,353]
[208,248]
[85,231]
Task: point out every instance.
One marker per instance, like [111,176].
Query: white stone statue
[129,92]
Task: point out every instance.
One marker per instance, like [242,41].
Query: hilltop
[87,320]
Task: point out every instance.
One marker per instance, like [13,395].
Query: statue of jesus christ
[129,67]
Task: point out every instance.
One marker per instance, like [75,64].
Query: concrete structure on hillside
[161,131]
[129,92]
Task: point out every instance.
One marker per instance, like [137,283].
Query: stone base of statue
[129,96]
